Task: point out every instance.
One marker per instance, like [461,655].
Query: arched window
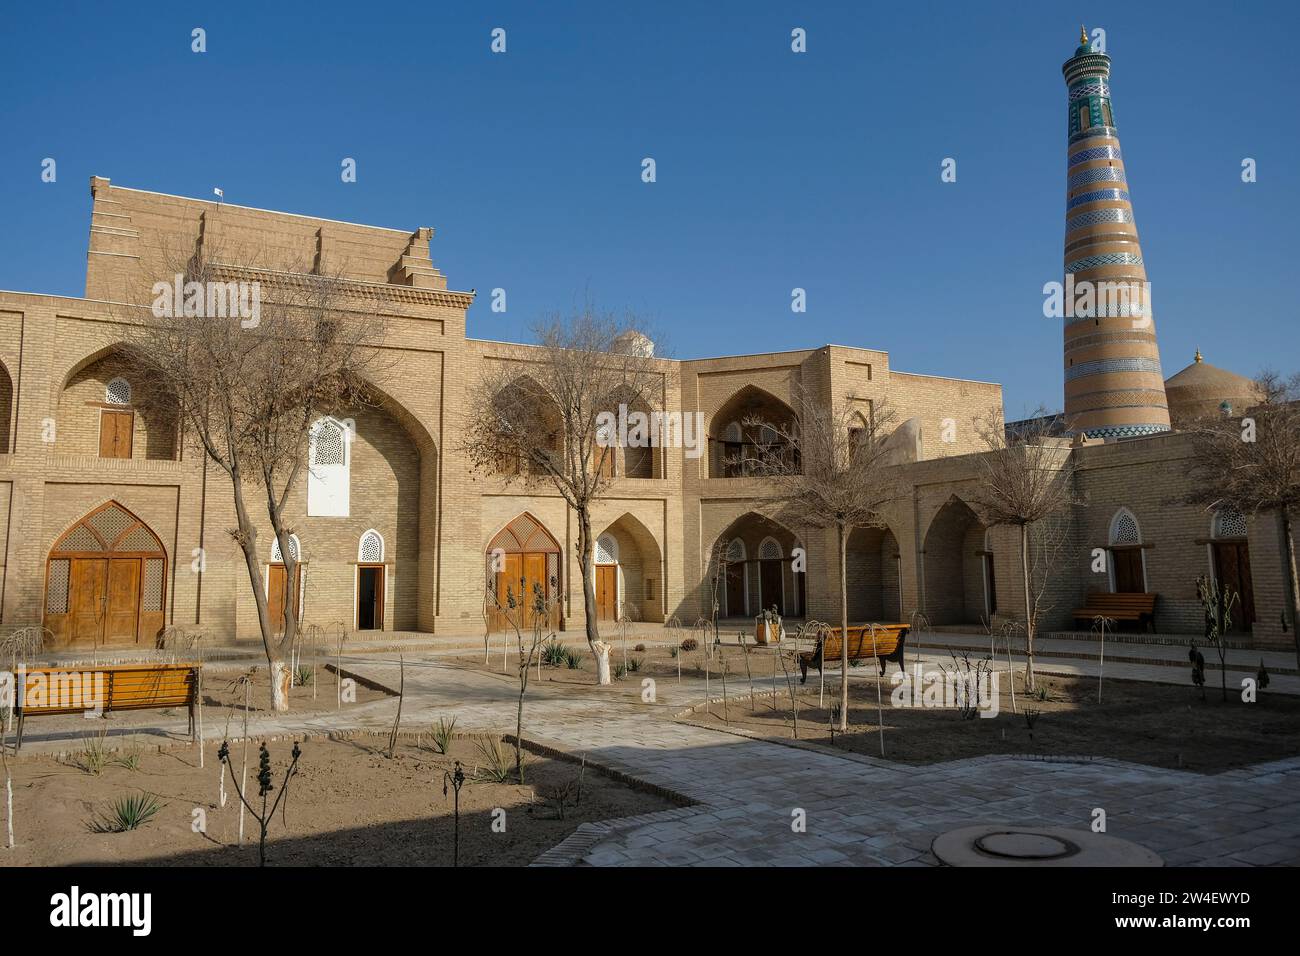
[329,461]
[1124,529]
[1228,523]
[118,392]
[736,551]
[371,548]
[606,549]
[732,432]
[769,549]
[277,556]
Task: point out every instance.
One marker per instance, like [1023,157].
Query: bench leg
[18,744]
[803,671]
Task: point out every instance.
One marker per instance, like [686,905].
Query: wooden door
[276,580]
[1232,569]
[370,598]
[1129,577]
[123,606]
[734,605]
[607,592]
[770,581]
[87,596]
[534,569]
[115,429]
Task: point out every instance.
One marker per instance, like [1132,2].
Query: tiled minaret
[1113,384]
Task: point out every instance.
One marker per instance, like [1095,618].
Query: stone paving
[858,811]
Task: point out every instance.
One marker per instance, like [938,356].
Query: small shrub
[634,664]
[555,654]
[690,644]
[442,733]
[673,651]
[573,660]
[93,756]
[303,676]
[130,757]
[640,648]
[126,813]
[497,759]
[620,671]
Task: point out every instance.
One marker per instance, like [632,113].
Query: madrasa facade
[113,527]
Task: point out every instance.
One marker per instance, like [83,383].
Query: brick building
[113,527]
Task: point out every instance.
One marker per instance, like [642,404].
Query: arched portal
[954,566]
[1230,563]
[522,557]
[758,570]
[105,581]
[872,566]
[629,572]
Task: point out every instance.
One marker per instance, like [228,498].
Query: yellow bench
[887,645]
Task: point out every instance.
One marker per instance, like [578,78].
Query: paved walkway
[857,811]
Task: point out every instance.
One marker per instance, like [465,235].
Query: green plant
[130,757]
[573,660]
[93,756]
[634,664]
[303,675]
[673,652]
[555,654]
[620,671]
[690,644]
[496,758]
[126,813]
[442,734]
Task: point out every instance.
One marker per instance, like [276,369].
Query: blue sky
[775,170]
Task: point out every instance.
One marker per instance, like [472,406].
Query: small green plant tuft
[634,664]
[555,654]
[498,764]
[442,733]
[303,676]
[673,652]
[620,671]
[573,660]
[130,757]
[93,756]
[126,813]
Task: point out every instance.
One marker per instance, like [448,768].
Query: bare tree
[831,468]
[247,392]
[1252,464]
[1027,481]
[545,421]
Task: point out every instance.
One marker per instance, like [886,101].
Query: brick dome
[1202,389]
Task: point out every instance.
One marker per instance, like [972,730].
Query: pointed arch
[106,580]
[1126,568]
[764,574]
[295,549]
[955,591]
[1124,529]
[521,556]
[736,435]
[370,547]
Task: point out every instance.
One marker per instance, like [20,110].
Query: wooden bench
[1138,607]
[75,690]
[887,646]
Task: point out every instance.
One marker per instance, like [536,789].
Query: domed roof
[1202,389]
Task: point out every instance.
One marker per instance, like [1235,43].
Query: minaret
[1113,384]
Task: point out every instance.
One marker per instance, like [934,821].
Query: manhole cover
[1003,845]
[1024,845]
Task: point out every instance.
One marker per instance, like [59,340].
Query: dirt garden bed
[1160,725]
[349,804]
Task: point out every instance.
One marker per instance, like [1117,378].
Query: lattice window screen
[329,445]
[151,591]
[56,595]
[736,550]
[1124,529]
[110,523]
[372,547]
[1229,523]
[606,550]
[137,539]
[769,549]
[277,556]
[118,392]
[81,539]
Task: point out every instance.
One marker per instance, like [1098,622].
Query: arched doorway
[954,567]
[607,596]
[105,581]
[763,567]
[1230,563]
[1128,570]
[522,555]
[872,566]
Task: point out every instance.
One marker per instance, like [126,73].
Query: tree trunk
[1029,610]
[586,556]
[1293,583]
[844,631]
[280,678]
[601,650]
